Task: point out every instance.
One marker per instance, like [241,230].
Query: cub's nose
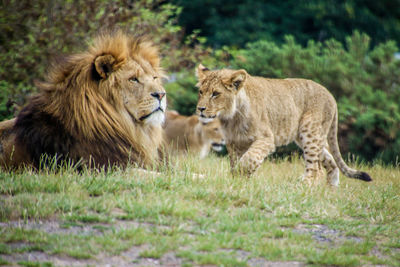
[201,109]
[158,95]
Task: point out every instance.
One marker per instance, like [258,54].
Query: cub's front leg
[255,155]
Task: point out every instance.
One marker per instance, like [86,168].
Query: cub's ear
[236,79]
[104,65]
[201,72]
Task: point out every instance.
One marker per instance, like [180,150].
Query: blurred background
[350,47]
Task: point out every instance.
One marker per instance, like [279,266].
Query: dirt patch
[245,256]
[127,258]
[170,259]
[130,257]
[322,233]
[42,257]
[259,262]
[56,227]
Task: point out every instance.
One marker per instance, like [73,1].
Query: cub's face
[213,132]
[218,91]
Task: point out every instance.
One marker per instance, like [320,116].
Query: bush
[5,101]
[182,94]
[34,32]
[238,22]
[10,96]
[365,82]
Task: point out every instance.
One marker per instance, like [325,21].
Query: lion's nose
[158,95]
[201,109]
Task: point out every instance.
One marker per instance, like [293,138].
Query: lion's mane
[77,116]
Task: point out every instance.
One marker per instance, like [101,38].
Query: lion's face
[142,93]
[213,132]
[218,91]
[140,89]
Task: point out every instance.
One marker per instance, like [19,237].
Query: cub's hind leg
[310,141]
[332,170]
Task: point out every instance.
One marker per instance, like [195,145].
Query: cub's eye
[155,78]
[215,94]
[215,129]
[200,92]
[134,80]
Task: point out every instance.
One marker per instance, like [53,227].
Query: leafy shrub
[34,32]
[10,96]
[5,102]
[238,22]
[182,94]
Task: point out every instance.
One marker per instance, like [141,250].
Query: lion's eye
[155,77]
[200,92]
[134,80]
[215,94]
[216,129]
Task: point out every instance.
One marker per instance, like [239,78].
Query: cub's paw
[242,170]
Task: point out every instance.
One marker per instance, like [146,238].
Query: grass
[215,220]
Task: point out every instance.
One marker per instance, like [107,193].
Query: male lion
[259,114]
[189,134]
[101,107]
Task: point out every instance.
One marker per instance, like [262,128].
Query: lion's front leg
[255,155]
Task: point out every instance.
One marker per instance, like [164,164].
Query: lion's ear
[201,72]
[104,65]
[236,80]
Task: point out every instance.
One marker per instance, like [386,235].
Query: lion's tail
[334,147]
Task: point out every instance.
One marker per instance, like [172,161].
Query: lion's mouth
[217,146]
[205,119]
[151,113]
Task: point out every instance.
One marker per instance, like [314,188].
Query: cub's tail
[334,147]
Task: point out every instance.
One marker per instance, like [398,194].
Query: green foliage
[365,82]
[4,101]
[32,33]
[10,95]
[182,94]
[240,21]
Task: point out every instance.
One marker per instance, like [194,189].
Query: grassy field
[129,218]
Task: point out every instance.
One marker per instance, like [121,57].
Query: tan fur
[259,114]
[8,146]
[102,99]
[187,134]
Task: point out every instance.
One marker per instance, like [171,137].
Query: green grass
[217,220]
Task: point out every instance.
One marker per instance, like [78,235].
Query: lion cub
[259,114]
[189,134]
